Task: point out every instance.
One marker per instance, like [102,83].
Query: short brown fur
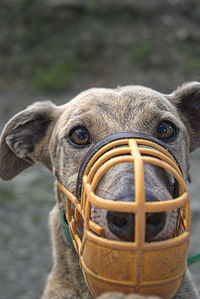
[39,134]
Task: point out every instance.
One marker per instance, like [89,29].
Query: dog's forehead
[111,110]
[133,97]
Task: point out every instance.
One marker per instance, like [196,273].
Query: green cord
[193,259]
[65,227]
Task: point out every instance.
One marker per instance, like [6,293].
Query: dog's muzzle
[134,266]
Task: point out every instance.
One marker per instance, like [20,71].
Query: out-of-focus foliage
[50,44]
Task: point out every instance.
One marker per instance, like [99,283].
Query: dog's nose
[122,225]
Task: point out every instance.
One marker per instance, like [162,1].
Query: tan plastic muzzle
[135,266]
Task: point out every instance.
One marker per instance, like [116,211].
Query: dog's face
[60,137]
[98,113]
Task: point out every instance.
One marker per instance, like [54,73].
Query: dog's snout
[122,224]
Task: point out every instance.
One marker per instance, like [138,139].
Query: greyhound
[60,136]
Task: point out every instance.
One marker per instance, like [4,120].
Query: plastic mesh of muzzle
[110,155]
[138,152]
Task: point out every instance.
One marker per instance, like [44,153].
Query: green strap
[193,259]
[65,227]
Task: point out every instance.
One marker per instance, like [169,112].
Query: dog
[60,136]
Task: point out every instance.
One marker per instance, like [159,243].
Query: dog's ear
[22,136]
[187,100]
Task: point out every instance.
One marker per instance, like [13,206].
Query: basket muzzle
[135,266]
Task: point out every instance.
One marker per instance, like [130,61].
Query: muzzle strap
[193,259]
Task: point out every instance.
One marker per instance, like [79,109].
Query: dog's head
[60,136]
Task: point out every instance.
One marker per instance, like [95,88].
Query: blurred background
[53,49]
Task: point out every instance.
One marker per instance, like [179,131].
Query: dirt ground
[58,52]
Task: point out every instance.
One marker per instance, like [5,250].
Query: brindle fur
[39,132]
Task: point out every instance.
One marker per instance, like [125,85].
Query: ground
[55,52]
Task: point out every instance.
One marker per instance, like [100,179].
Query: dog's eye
[79,136]
[166,131]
